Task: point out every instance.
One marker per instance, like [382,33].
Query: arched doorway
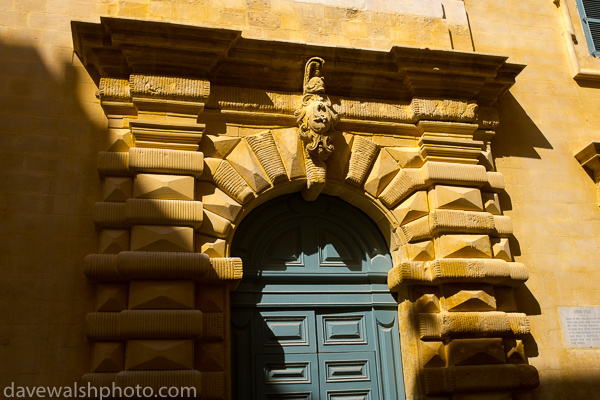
[313,317]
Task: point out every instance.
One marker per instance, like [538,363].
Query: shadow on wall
[48,186]
[517,135]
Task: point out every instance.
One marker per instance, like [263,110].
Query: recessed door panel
[345,331]
[290,331]
[348,375]
[287,374]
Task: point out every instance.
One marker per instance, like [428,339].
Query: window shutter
[589,11]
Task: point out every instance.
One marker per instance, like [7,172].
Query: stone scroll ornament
[316,120]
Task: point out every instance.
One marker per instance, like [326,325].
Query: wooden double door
[313,318]
[315,354]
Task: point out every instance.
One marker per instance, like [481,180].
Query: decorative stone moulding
[205,125]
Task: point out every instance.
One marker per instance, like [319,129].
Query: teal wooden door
[313,318]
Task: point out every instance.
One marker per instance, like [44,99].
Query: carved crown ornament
[316,121]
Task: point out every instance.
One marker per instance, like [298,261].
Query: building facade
[301,198]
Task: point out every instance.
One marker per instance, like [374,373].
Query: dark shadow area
[516,128]
[49,141]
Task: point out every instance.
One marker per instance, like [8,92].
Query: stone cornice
[119,47]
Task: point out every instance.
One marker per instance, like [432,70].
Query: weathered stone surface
[159,355]
[361,157]
[477,351]
[166,161]
[455,198]
[218,146]
[491,203]
[244,161]
[457,246]
[164,212]
[289,146]
[111,297]
[113,241]
[383,171]
[412,208]
[162,238]
[116,189]
[154,186]
[156,295]
[459,299]
[433,354]
[108,357]
[229,180]
[501,248]
[211,246]
[215,200]
[265,149]
[472,324]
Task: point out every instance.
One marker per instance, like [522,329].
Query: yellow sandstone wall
[52,128]
[545,119]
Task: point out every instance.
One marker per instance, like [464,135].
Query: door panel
[287,374]
[345,331]
[348,375]
[290,331]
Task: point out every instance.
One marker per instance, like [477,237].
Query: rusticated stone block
[162,238]
[211,246]
[111,163]
[433,354]
[265,149]
[473,324]
[459,298]
[99,380]
[457,246]
[209,356]
[215,200]
[289,146]
[412,208]
[149,295]
[159,355]
[477,351]
[113,241]
[444,110]
[171,187]
[214,326]
[458,221]
[108,357]
[501,248]
[455,198]
[244,161]
[218,146]
[458,270]
[111,297]
[114,89]
[110,215]
[427,303]
[211,299]
[119,139]
[383,171]
[141,265]
[146,324]
[406,157]
[477,378]
[415,230]
[485,396]
[491,203]
[361,157]
[421,251]
[116,189]
[172,88]
[229,180]
[164,212]
[166,161]
[215,225]
[401,185]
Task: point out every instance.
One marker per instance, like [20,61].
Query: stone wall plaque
[580,326]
